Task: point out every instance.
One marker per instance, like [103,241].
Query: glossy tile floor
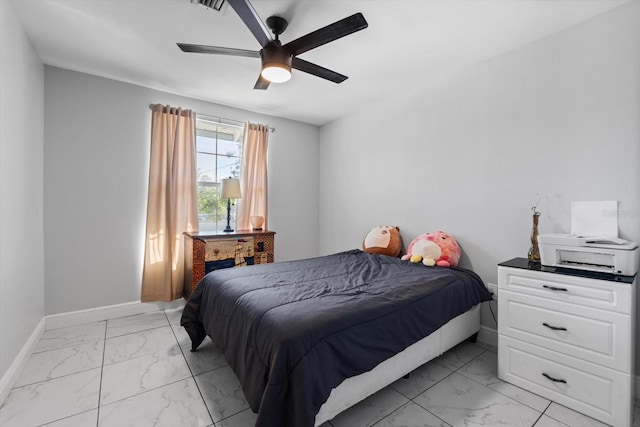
[138,371]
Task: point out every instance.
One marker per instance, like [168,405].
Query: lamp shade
[230,189]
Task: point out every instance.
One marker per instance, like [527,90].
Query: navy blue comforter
[293,331]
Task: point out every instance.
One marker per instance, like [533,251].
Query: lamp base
[228,228]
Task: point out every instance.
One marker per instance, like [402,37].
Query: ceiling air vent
[213,4]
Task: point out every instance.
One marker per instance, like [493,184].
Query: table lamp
[230,190]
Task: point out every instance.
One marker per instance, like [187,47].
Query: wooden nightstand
[206,251]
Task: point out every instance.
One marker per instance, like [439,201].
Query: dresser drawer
[591,334]
[594,390]
[614,296]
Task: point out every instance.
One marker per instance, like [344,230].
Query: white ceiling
[408,44]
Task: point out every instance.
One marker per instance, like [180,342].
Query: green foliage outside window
[210,206]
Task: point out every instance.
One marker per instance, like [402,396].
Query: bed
[309,338]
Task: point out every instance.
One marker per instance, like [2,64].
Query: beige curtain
[253,177]
[172,204]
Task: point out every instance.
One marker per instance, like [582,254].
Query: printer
[573,251]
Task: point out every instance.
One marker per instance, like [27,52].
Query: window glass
[218,151]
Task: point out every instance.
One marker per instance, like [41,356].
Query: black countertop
[525,264]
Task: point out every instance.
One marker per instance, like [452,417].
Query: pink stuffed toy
[437,248]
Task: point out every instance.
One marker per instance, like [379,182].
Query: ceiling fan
[279,59]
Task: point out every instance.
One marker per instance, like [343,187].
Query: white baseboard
[488,336]
[13,373]
[98,314]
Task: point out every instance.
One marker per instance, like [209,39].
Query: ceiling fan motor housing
[274,55]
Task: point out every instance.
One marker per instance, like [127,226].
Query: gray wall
[21,211]
[559,117]
[97,136]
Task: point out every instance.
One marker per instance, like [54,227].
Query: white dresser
[569,338]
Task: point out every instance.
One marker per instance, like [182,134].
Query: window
[218,151]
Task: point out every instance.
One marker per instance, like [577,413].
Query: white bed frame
[355,389]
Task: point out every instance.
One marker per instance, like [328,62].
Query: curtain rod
[221,120]
[230,121]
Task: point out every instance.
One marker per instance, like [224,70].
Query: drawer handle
[555,380]
[555,328]
[553,288]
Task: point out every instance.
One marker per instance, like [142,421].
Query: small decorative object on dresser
[209,250]
[534,250]
[569,335]
[256,222]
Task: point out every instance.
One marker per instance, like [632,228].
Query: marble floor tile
[484,369]
[85,419]
[571,417]
[47,401]
[371,410]
[174,315]
[207,358]
[177,404]
[182,336]
[60,362]
[222,393]
[245,418]
[138,344]
[459,400]
[133,376]
[137,323]
[411,415]
[485,346]
[421,379]
[545,421]
[70,336]
[460,355]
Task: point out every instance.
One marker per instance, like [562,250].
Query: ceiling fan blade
[198,48]
[327,34]
[247,13]
[261,83]
[316,70]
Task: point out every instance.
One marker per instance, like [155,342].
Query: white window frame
[212,216]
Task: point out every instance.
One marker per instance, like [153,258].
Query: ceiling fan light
[276,73]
